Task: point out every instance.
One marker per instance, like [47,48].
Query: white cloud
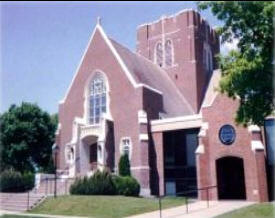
[227,46]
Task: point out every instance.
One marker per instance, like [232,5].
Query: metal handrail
[186,197]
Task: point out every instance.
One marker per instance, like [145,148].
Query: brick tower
[184,45]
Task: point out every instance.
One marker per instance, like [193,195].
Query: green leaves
[124,166]
[27,134]
[248,72]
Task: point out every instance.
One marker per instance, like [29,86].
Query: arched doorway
[230,178]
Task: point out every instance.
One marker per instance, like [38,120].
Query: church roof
[146,72]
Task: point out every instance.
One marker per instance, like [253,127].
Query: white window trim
[68,152]
[206,53]
[86,105]
[172,53]
[164,53]
[155,53]
[130,146]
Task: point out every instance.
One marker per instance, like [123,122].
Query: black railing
[52,184]
[28,201]
[186,197]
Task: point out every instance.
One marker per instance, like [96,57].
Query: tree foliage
[26,136]
[124,166]
[247,73]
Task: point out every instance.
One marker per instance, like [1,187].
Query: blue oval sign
[227,134]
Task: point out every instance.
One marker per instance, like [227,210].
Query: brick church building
[160,106]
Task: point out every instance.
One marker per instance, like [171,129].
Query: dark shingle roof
[146,72]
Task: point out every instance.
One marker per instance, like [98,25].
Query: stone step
[25,201]
[20,205]
[13,208]
[18,194]
[19,201]
[21,198]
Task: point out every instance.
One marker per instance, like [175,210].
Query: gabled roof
[143,73]
[146,72]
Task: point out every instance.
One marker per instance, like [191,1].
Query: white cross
[99,20]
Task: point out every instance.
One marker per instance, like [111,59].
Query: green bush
[126,185]
[13,181]
[101,183]
[124,166]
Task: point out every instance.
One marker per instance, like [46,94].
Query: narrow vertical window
[168,53]
[126,146]
[97,102]
[159,54]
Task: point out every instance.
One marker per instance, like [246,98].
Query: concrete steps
[20,201]
[24,201]
[47,187]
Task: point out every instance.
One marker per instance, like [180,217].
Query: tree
[26,136]
[124,166]
[247,73]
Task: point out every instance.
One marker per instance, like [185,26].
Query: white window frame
[69,154]
[156,54]
[165,53]
[93,93]
[122,146]
[207,63]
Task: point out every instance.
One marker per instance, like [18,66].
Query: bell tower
[184,45]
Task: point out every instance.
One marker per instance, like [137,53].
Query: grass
[265,210]
[103,206]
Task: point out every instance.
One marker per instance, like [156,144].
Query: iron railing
[186,197]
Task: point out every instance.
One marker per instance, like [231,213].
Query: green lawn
[103,206]
[265,210]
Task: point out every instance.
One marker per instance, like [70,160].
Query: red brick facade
[139,92]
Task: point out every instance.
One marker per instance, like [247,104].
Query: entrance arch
[230,178]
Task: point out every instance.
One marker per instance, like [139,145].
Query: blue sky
[42,42]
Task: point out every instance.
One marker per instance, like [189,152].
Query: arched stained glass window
[168,53]
[97,99]
[159,54]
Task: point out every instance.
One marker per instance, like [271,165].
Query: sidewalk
[38,215]
[197,210]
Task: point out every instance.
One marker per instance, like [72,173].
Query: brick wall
[187,30]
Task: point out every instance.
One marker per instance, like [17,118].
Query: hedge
[127,185]
[103,183]
[13,181]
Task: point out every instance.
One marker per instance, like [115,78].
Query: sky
[42,42]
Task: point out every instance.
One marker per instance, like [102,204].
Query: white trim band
[142,117]
[257,145]
[200,149]
[140,168]
[143,137]
[254,128]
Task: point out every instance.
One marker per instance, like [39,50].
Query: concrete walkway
[197,210]
[38,215]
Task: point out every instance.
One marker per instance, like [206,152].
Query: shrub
[101,183]
[124,166]
[13,181]
[126,185]
[80,187]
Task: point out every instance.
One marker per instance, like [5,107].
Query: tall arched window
[97,103]
[168,53]
[159,54]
